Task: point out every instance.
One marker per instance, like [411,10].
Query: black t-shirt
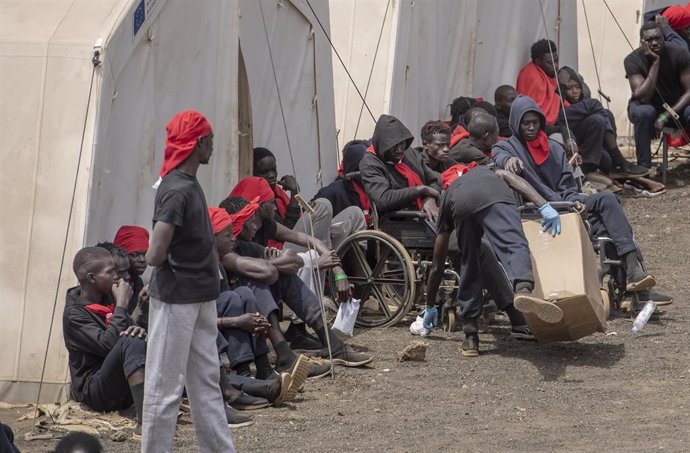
[267,231]
[673,60]
[190,274]
[477,189]
[249,249]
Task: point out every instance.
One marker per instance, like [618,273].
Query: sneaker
[470,347]
[630,170]
[638,280]
[417,327]
[660,299]
[136,435]
[319,368]
[236,419]
[298,374]
[279,388]
[348,357]
[246,402]
[544,310]
[646,296]
[522,333]
[301,343]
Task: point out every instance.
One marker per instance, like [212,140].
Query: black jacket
[87,339]
[387,189]
[341,195]
[442,166]
[466,152]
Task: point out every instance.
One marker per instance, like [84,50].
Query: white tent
[432,51]
[282,41]
[155,57]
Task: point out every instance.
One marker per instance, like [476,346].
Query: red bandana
[678,17]
[104,311]
[455,172]
[413,179]
[239,218]
[252,187]
[184,129]
[220,219]
[132,238]
[364,202]
[282,201]
[539,148]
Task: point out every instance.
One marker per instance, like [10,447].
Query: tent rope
[95,61]
[371,71]
[594,58]
[275,79]
[328,38]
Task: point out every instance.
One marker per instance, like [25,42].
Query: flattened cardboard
[565,270]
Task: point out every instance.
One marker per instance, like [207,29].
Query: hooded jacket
[387,188]
[466,152]
[87,339]
[554,178]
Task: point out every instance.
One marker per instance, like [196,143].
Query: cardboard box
[565,270]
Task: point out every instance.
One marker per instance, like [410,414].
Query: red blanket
[533,82]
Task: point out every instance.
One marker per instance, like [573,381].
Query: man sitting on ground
[395,176]
[543,164]
[107,352]
[658,73]
[135,241]
[503,99]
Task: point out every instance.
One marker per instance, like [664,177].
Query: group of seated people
[273,252]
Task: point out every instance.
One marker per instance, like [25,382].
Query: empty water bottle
[643,316]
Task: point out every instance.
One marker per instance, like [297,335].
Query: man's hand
[430,209]
[514,165]
[342,286]
[550,220]
[122,292]
[581,209]
[661,20]
[661,121]
[134,331]
[430,318]
[253,323]
[649,53]
[143,298]
[428,192]
[271,252]
[328,260]
[571,148]
[289,183]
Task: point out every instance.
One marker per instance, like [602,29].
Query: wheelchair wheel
[382,274]
[607,303]
[450,319]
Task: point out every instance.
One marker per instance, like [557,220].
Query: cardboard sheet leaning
[565,270]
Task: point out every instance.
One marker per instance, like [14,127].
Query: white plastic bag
[346,317]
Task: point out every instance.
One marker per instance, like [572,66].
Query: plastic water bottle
[643,316]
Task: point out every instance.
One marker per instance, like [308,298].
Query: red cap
[132,238]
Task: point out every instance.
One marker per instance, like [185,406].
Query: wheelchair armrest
[405,215]
[567,206]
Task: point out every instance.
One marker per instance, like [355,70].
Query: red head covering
[678,17]
[239,218]
[539,148]
[220,219]
[132,238]
[184,129]
[455,172]
[252,187]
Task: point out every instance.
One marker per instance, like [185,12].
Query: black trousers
[500,224]
[607,218]
[255,387]
[242,346]
[108,390]
[7,440]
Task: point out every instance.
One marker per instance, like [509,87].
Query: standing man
[658,73]
[184,287]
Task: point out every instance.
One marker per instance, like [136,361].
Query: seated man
[543,164]
[347,191]
[674,22]
[394,175]
[107,352]
[435,141]
[271,276]
[477,205]
[658,73]
[466,147]
[503,99]
[135,241]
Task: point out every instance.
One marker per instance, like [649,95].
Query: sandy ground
[607,392]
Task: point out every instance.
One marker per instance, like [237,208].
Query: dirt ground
[607,392]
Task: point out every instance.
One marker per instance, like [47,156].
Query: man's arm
[522,187]
[160,242]
[285,234]
[251,268]
[438,263]
[643,89]
[287,262]
[379,190]
[683,101]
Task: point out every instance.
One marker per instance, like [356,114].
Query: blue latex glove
[430,318]
[550,219]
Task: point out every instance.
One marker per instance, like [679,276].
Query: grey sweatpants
[330,230]
[182,352]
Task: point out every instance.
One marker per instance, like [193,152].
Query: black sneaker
[236,419]
[301,343]
[650,296]
[522,333]
[347,356]
[631,170]
[245,402]
[319,369]
[470,347]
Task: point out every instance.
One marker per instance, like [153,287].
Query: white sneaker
[417,327]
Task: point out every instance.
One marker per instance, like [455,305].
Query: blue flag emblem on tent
[139,16]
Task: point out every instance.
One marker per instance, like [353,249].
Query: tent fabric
[432,52]
[302,62]
[45,73]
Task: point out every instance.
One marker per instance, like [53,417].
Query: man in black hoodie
[107,352]
[394,175]
[543,164]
